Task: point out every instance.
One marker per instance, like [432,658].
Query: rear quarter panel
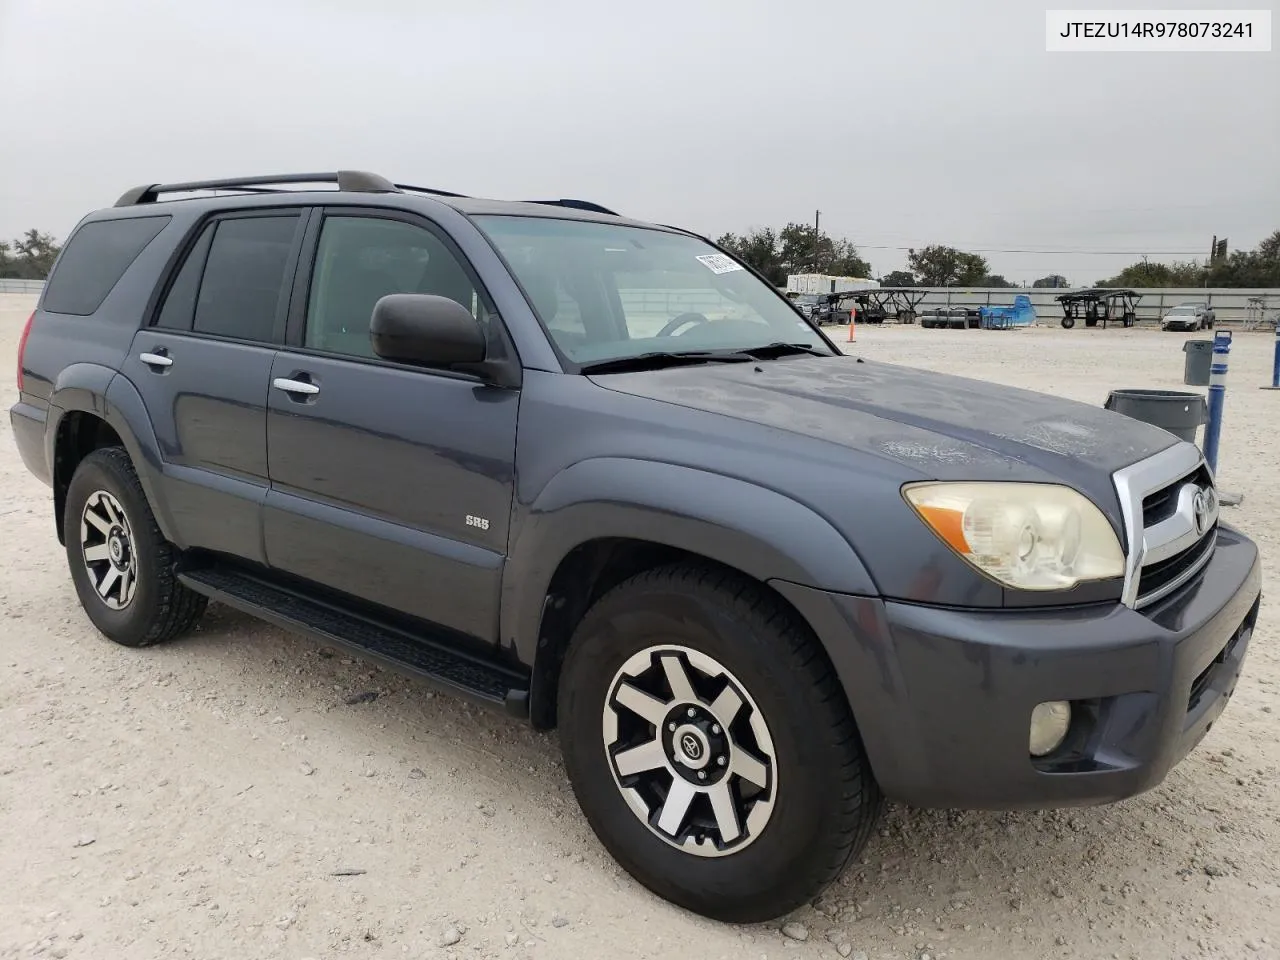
[58,341]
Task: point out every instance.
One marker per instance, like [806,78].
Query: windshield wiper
[663,358]
[780,349]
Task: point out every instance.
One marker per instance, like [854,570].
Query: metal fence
[1231,306]
[21,286]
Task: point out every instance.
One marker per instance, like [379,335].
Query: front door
[203,367]
[390,483]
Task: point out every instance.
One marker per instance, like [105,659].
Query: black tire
[1068,323]
[829,798]
[161,608]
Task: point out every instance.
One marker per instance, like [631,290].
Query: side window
[96,257]
[244,277]
[359,260]
[180,302]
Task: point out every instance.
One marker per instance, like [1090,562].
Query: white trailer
[820,283]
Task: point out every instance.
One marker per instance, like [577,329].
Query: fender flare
[111,397]
[763,533]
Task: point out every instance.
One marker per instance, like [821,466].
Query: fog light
[1049,724]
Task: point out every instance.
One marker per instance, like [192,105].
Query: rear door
[389,482]
[203,368]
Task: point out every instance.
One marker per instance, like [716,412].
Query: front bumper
[943,698]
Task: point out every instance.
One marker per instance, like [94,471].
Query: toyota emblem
[1202,505]
[691,747]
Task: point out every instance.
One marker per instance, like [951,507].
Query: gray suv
[599,474]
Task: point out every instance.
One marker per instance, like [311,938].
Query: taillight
[22,347]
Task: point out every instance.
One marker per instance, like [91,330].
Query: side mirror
[430,330]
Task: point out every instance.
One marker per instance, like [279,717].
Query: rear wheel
[711,747]
[121,565]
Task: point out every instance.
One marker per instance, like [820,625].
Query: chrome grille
[1156,576]
[1170,510]
[1162,504]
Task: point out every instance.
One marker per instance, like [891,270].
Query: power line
[1074,253]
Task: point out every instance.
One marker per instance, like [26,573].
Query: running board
[488,684]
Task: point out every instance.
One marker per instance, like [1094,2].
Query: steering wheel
[670,328]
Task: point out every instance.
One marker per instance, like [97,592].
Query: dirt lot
[199,798]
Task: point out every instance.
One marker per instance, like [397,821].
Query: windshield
[606,291]
[1182,310]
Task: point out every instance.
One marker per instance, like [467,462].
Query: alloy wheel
[690,750]
[107,546]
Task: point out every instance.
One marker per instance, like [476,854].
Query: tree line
[777,253]
[796,248]
[28,258]
[1259,267]
[793,249]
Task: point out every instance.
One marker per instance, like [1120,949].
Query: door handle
[156,359]
[294,386]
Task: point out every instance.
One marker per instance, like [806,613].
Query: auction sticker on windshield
[718,263]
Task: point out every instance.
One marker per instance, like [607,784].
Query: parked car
[1188,316]
[807,303]
[832,308]
[757,585]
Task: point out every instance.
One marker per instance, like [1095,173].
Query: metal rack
[1255,315]
[347,181]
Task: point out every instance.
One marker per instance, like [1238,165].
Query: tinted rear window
[96,258]
[244,275]
[180,302]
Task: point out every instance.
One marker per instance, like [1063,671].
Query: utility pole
[816,215]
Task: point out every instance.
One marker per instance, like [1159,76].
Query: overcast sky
[906,123]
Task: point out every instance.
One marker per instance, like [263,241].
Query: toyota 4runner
[600,474]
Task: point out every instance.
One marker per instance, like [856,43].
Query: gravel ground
[220,797]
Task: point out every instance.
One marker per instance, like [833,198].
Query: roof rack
[355,181]
[431,190]
[352,181]
[578,205]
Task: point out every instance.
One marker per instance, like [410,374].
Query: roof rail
[578,205]
[431,190]
[354,181]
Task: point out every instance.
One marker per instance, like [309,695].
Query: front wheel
[710,745]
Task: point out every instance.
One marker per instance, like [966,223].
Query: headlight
[1030,536]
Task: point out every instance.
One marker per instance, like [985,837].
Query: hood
[941,426]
